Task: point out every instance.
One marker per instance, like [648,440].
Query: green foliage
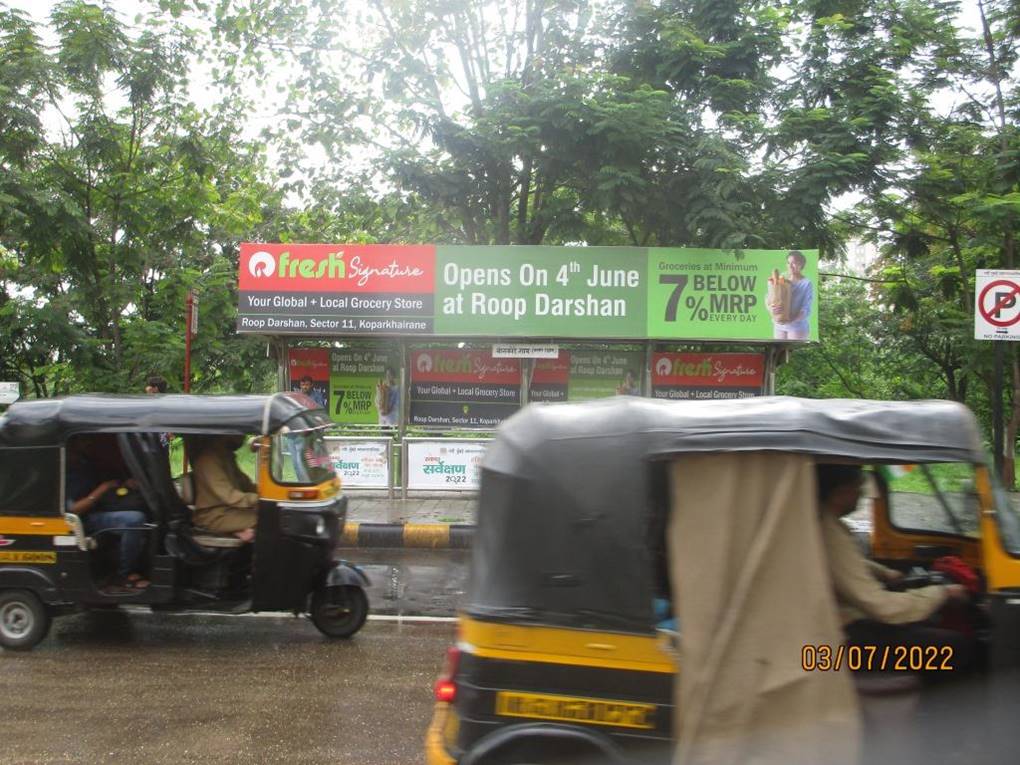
[108,222]
[723,123]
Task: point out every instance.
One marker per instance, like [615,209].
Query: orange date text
[868,658]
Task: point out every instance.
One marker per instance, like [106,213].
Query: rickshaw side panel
[30,481]
[290,560]
[34,579]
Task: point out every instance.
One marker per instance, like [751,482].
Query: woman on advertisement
[790,299]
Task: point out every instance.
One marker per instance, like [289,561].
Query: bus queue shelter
[458,338]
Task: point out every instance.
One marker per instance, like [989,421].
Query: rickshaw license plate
[620,714]
[28,556]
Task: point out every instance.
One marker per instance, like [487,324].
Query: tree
[106,219]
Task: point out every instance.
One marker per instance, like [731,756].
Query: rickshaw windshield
[301,457]
[938,497]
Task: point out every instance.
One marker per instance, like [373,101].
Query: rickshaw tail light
[445,689]
[303,494]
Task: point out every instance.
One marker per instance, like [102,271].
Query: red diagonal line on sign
[1004,300]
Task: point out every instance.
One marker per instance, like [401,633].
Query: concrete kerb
[438,536]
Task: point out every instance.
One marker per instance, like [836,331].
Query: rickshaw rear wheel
[339,612]
[24,620]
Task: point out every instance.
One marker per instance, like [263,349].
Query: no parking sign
[997,305]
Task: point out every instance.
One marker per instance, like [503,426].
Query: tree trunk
[1009,458]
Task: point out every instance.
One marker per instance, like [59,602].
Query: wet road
[413,582]
[139,687]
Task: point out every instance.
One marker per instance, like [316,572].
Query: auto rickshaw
[49,566]
[564,654]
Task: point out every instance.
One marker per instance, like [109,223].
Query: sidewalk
[433,508]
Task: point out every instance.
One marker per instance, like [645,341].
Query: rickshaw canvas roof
[892,431]
[49,422]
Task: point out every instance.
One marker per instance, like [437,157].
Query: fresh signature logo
[5,542]
[263,264]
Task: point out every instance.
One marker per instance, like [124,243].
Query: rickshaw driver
[871,614]
[89,498]
[225,498]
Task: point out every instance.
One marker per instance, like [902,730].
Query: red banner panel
[707,375]
[367,268]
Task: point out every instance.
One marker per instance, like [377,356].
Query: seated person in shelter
[112,505]
[871,614]
[225,498]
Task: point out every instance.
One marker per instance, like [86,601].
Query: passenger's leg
[132,543]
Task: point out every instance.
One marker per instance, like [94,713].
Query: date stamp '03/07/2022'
[868,658]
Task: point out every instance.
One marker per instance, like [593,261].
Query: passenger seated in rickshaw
[225,498]
[871,614]
[113,506]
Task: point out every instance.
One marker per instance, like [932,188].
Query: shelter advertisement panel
[605,373]
[308,371]
[446,464]
[683,376]
[324,289]
[365,386]
[463,388]
[525,291]
[361,463]
[550,378]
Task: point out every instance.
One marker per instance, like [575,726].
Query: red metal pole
[189,307]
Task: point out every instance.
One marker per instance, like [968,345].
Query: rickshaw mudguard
[24,578]
[344,574]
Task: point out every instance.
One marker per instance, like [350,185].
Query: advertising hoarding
[524,291]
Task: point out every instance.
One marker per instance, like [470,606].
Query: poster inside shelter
[684,376]
[462,388]
[634,293]
[365,385]
[550,378]
[600,374]
[308,372]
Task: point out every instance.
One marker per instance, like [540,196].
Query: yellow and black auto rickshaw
[592,515]
[49,566]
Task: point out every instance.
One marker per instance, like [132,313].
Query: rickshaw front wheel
[339,612]
[24,620]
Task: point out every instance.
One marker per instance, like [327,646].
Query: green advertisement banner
[355,379]
[627,293]
[604,373]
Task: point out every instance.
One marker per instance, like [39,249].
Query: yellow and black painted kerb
[427,535]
